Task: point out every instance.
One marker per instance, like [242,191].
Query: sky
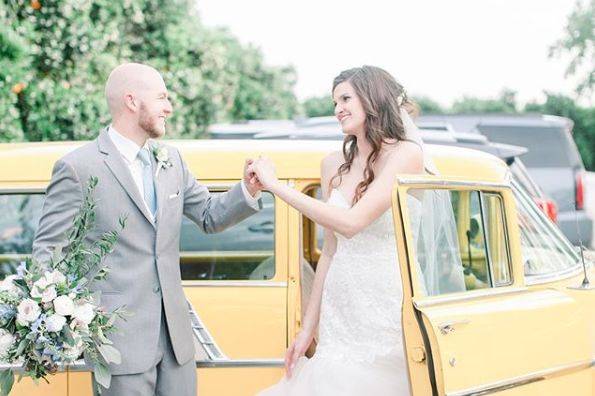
[435,48]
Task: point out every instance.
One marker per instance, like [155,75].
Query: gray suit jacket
[145,269]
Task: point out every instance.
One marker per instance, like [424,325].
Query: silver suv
[327,128]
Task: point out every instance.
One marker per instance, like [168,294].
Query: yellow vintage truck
[521,323]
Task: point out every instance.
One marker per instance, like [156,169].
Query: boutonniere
[162,157]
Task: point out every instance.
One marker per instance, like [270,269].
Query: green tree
[11,85]
[67,48]
[428,106]
[319,106]
[579,43]
[505,103]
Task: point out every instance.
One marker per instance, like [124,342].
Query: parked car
[553,159]
[245,129]
[495,333]
[327,128]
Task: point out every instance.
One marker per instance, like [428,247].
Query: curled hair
[382,98]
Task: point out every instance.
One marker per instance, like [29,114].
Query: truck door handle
[449,327]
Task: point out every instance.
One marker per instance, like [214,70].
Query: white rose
[42,283]
[55,323]
[8,285]
[28,311]
[83,313]
[48,294]
[39,287]
[80,325]
[63,305]
[6,341]
[55,277]
[72,353]
[162,154]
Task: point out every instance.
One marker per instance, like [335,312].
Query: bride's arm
[312,315]
[407,158]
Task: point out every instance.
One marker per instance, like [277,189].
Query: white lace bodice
[360,315]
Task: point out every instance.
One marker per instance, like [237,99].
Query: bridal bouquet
[48,315]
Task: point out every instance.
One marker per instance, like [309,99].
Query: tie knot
[143,156]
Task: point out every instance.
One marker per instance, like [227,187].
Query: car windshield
[544,249]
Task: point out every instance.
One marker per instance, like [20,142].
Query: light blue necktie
[148,185]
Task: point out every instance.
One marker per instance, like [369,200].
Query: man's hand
[264,171]
[251,181]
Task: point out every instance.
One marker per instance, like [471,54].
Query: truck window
[242,252]
[460,240]
[19,219]
[245,251]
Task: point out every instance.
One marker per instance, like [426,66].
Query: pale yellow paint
[259,322]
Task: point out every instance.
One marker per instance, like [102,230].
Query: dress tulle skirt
[320,376]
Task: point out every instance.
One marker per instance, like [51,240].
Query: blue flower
[21,269]
[47,352]
[7,312]
[35,325]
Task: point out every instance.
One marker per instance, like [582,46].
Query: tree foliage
[504,103]
[579,43]
[428,106]
[319,106]
[56,55]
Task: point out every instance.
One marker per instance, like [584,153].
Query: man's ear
[131,103]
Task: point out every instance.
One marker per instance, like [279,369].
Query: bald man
[156,342]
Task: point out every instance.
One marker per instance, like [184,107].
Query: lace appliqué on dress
[360,318]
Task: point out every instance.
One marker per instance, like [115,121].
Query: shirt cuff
[252,201]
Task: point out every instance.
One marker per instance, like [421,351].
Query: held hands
[250,180]
[297,349]
[260,173]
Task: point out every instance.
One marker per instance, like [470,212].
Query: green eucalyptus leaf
[6,382]
[22,346]
[102,375]
[109,353]
[68,337]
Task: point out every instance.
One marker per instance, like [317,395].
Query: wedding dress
[360,348]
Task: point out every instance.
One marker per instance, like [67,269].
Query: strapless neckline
[340,193]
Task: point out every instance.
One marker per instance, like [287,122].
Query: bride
[357,294]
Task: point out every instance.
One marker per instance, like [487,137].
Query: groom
[156,342]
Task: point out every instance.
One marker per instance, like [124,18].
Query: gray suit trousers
[166,377]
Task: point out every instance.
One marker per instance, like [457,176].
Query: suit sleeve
[63,199]
[213,212]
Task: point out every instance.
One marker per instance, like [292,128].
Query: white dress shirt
[129,151]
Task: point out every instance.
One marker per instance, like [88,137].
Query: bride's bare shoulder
[331,162]
[329,167]
[405,156]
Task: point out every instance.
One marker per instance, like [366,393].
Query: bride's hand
[297,349]
[265,172]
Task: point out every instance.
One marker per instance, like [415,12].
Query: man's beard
[144,121]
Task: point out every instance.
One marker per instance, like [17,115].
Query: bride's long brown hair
[382,98]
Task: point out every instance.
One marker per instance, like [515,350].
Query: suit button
[156,289]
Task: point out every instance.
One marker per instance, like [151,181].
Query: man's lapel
[116,164]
